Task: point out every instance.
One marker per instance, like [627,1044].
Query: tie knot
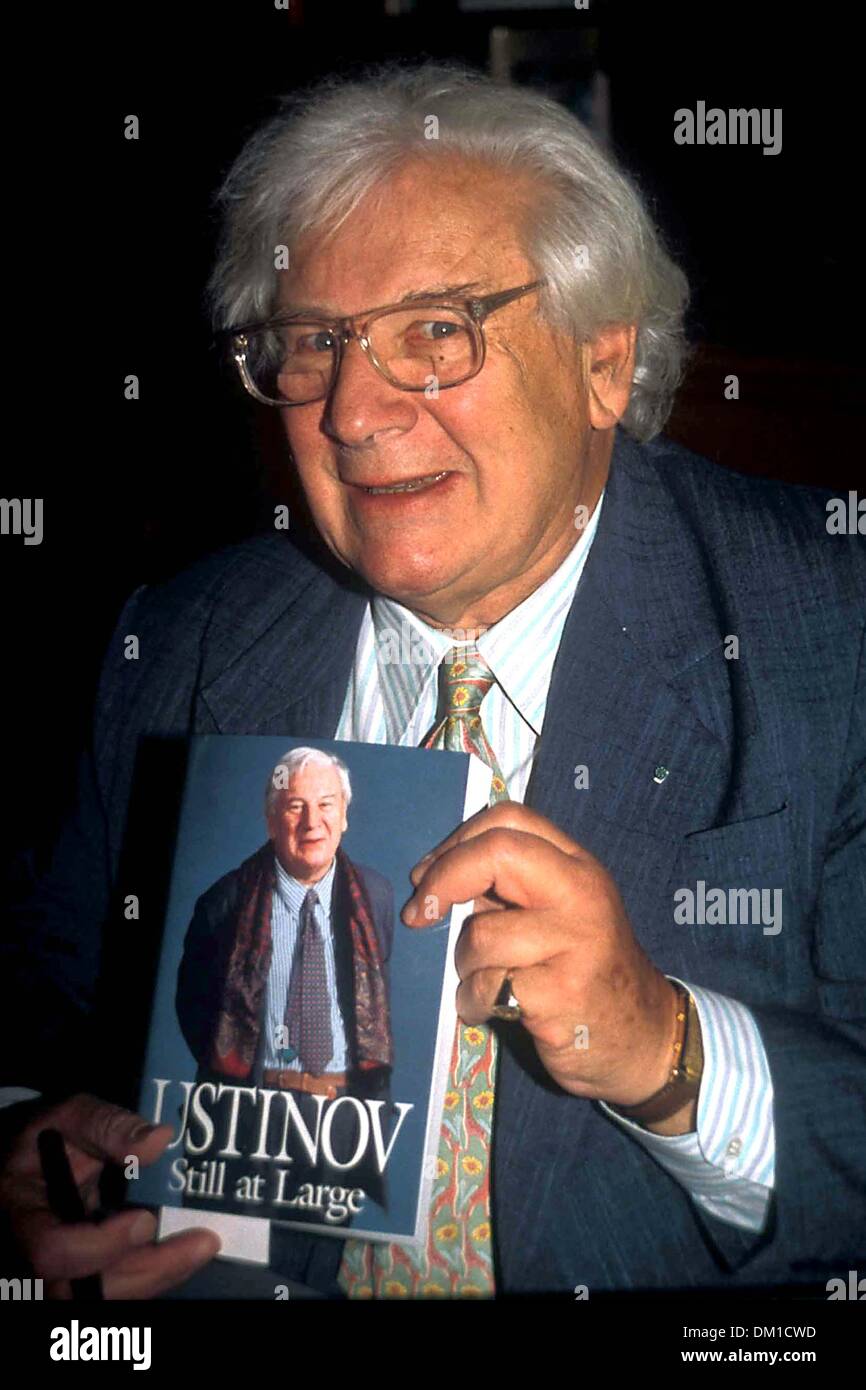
[464,680]
[311,900]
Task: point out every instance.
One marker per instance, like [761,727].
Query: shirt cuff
[728,1164]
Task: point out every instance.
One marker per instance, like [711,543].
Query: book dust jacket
[300,1034]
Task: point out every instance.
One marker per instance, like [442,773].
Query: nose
[310,819]
[362,404]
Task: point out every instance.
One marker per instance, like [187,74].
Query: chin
[305,866]
[403,577]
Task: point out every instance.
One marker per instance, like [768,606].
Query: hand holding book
[548,917]
[119,1248]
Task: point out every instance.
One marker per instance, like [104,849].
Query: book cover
[300,1034]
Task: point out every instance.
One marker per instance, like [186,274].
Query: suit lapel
[634,751]
[642,696]
[292,679]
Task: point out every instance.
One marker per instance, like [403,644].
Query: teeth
[412,486]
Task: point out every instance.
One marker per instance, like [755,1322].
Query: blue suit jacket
[763,791]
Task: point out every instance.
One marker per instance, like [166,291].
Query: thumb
[110,1132]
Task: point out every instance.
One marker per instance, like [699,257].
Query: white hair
[589,234]
[294,761]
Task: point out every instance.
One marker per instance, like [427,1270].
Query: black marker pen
[65,1201]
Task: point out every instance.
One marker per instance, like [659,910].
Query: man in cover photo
[284,980]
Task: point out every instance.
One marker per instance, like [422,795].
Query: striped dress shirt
[728,1164]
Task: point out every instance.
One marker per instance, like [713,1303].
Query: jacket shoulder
[222,894]
[190,628]
[380,893]
[745,523]
[376,883]
[242,588]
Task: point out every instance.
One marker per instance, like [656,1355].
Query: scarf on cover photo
[239,1016]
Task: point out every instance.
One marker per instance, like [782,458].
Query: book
[300,1033]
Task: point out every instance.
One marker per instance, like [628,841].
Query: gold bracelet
[684,1081]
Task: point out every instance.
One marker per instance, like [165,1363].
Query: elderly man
[284,976]
[472,336]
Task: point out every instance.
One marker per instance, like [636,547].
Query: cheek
[309,450]
[504,431]
[301,428]
[326,497]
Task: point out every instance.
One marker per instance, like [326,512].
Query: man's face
[513,442]
[308,821]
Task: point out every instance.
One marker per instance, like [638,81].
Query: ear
[609,368]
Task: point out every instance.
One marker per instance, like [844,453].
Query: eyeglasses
[427,346]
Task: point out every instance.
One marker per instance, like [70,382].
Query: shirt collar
[293,893]
[409,651]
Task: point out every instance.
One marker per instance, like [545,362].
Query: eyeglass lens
[294,362]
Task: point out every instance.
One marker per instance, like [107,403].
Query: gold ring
[506,1006]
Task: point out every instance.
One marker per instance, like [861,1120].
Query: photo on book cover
[300,1033]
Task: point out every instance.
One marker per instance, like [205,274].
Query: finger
[547,1007]
[531,988]
[477,994]
[152,1271]
[487,817]
[57,1251]
[24,1196]
[91,1196]
[105,1131]
[505,815]
[525,870]
[23,1164]
[508,938]
[23,1191]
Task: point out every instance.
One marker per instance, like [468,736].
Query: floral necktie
[457,1261]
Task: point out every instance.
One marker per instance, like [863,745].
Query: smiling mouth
[413,485]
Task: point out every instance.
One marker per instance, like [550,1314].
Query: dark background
[114,240]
